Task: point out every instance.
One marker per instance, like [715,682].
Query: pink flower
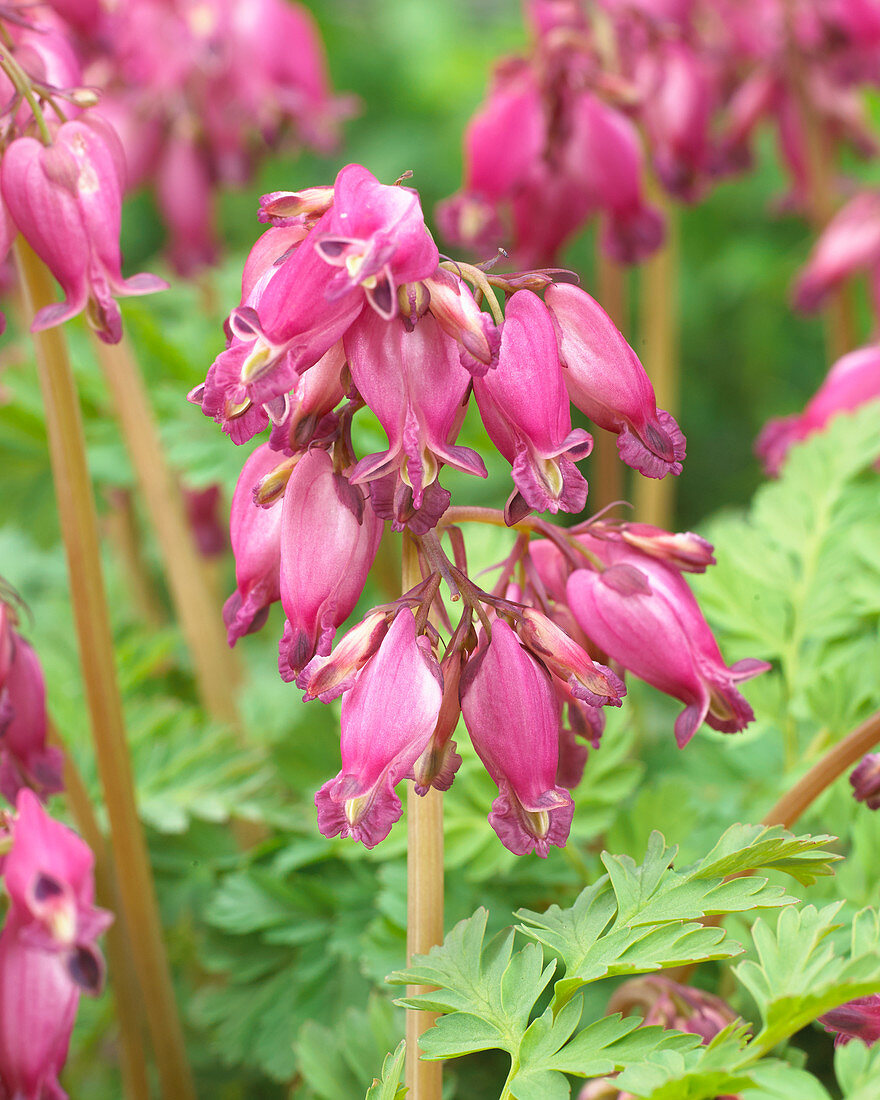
[255,533]
[644,616]
[858,1019]
[314,396]
[25,758]
[375,239]
[204,508]
[512,715]
[329,537]
[849,243]
[526,411]
[66,200]
[47,950]
[605,152]
[388,717]
[852,381]
[865,780]
[185,198]
[606,381]
[414,383]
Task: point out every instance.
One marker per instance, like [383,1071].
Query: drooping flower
[329,537]
[865,780]
[849,243]
[606,381]
[414,383]
[512,715]
[48,952]
[851,382]
[25,758]
[255,533]
[388,717]
[66,199]
[858,1019]
[643,615]
[526,411]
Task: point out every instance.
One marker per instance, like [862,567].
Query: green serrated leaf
[388,1086]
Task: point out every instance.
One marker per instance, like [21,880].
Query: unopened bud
[865,780]
[85,97]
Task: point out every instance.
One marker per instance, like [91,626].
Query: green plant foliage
[635,919]
[389,1086]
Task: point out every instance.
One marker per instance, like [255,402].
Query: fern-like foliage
[634,919]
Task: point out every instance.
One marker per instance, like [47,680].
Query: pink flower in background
[48,952]
[606,381]
[852,381]
[865,780]
[66,200]
[512,715]
[526,411]
[25,758]
[329,537]
[858,1019]
[849,243]
[388,717]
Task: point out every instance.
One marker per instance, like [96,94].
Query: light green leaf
[388,1087]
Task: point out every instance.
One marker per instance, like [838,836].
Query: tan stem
[837,760]
[194,603]
[424,869]
[121,527]
[654,498]
[117,941]
[607,473]
[76,509]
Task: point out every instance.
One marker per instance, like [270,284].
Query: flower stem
[654,498]
[194,603]
[606,482]
[76,509]
[837,760]
[123,981]
[424,869]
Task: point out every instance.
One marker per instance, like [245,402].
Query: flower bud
[865,780]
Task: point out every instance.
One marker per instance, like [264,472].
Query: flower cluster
[48,952]
[560,137]
[345,303]
[62,189]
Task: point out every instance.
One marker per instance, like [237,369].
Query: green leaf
[640,918]
[701,1073]
[388,1087]
[857,1068]
[799,974]
[489,990]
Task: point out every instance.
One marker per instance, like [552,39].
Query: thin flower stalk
[194,602]
[424,868]
[76,509]
[654,500]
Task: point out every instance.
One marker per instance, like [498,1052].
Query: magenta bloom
[47,950]
[512,715]
[255,533]
[415,384]
[388,717]
[66,200]
[849,243]
[606,154]
[865,780]
[185,198]
[376,239]
[606,381]
[644,616]
[329,537]
[858,1019]
[526,411]
[25,758]
[852,381]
